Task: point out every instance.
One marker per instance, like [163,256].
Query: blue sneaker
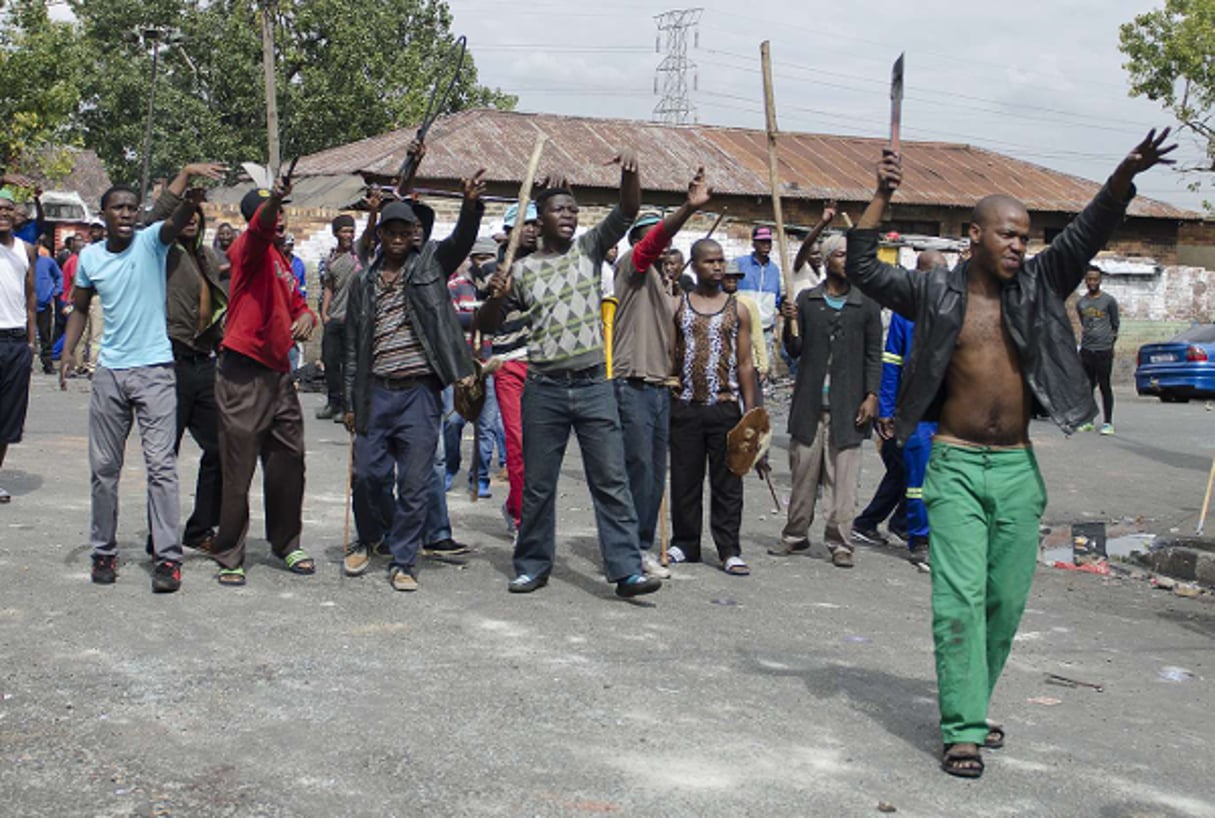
[636,585]
[447,478]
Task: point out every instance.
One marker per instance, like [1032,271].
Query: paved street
[803,690]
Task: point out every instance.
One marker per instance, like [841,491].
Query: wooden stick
[525,198]
[773,177]
[1206,501]
[663,559]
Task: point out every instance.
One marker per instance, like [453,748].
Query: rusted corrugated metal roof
[812,166]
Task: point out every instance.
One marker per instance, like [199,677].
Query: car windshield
[1197,334]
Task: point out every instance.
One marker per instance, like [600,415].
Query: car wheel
[1170,397]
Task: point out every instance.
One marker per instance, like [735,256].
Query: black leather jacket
[431,313]
[1033,313]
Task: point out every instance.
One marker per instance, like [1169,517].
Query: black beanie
[344,220]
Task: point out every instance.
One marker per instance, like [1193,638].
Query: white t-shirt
[14,265]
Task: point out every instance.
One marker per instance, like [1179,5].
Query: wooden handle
[773,177]
[525,198]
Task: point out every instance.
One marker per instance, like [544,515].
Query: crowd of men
[199,338]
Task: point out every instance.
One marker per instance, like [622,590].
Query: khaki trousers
[839,472]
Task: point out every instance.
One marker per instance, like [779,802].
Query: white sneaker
[652,567]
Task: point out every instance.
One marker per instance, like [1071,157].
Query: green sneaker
[1107,428]
[1088,427]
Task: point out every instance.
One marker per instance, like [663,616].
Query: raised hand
[829,211]
[889,172]
[373,198]
[208,170]
[196,195]
[627,159]
[474,186]
[699,192]
[1149,153]
[281,189]
[417,150]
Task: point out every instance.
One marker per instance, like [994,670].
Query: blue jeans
[645,421]
[489,433]
[438,524]
[552,406]
[400,438]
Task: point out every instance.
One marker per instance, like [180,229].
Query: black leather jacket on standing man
[431,313]
[1033,313]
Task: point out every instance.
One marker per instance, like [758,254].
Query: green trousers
[984,509]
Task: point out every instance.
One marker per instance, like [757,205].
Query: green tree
[1171,59]
[39,78]
[345,71]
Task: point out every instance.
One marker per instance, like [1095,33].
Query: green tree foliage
[344,71]
[1171,59]
[39,81]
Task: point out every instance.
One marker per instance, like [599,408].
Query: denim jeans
[645,422]
[553,405]
[438,524]
[400,438]
[489,434]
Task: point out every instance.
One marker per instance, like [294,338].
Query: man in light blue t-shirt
[134,376]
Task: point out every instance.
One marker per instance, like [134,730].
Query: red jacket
[263,299]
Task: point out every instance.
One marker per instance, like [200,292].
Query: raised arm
[886,284]
[803,252]
[166,205]
[650,248]
[455,248]
[365,246]
[1065,262]
[630,184]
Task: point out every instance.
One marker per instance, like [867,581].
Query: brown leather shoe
[841,558]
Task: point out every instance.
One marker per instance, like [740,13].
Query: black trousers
[45,321]
[333,353]
[891,494]
[1099,365]
[698,433]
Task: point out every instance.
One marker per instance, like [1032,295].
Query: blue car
[1179,369]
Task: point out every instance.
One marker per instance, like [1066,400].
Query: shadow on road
[1167,457]
[905,708]
[1138,809]
[19,483]
[1200,622]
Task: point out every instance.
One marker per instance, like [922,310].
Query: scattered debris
[1175,674]
[1163,583]
[1101,568]
[1063,681]
[886,806]
[1045,701]
[1188,590]
[725,600]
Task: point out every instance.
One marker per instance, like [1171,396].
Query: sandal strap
[296,557]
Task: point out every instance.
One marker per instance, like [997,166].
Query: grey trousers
[839,472]
[149,394]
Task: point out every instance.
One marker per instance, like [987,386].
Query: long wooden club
[786,272]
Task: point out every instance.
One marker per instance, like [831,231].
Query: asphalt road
[802,690]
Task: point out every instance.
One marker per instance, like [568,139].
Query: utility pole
[675,108]
[272,156]
[156,35]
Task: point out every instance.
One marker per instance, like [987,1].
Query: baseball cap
[512,213]
[761,233]
[8,194]
[646,219]
[398,212]
[252,200]
[733,270]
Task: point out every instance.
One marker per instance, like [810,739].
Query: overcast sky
[1038,80]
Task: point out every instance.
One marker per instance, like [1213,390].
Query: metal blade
[896,102]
